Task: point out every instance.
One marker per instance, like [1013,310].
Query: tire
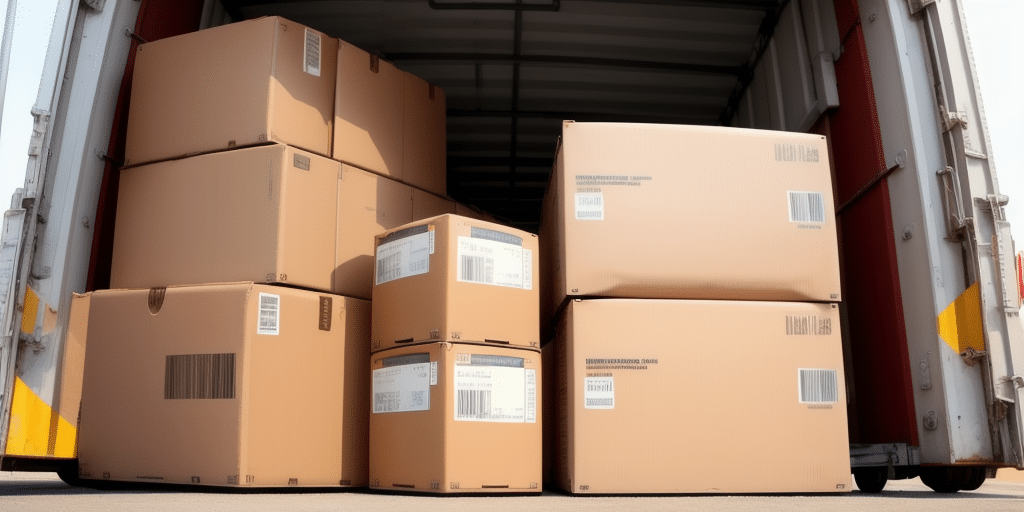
[975,479]
[946,480]
[69,474]
[871,479]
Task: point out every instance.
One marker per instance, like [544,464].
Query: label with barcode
[808,325]
[589,206]
[495,263]
[599,392]
[818,386]
[806,207]
[311,64]
[199,376]
[270,314]
[404,257]
[501,392]
[402,388]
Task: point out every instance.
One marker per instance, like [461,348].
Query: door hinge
[952,120]
[917,5]
[96,5]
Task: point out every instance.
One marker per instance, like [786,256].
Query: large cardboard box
[237,384]
[456,418]
[426,205]
[250,82]
[689,212]
[678,396]
[389,121]
[268,214]
[452,278]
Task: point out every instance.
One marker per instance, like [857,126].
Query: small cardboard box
[456,418]
[246,83]
[681,396]
[452,278]
[689,212]
[236,384]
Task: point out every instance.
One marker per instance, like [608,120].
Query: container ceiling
[513,70]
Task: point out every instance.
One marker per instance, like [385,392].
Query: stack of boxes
[262,158]
[456,359]
[691,286]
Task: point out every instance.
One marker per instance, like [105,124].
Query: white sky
[997,42]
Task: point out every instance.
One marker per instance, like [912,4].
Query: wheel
[975,479]
[871,479]
[69,474]
[943,479]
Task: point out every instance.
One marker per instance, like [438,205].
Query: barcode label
[402,388]
[599,393]
[199,376]
[818,386]
[502,394]
[806,207]
[311,63]
[403,257]
[589,206]
[270,314]
[495,263]
[808,325]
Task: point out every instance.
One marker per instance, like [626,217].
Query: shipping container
[933,343]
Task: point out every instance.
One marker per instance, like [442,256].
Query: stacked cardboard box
[456,359]
[260,154]
[691,279]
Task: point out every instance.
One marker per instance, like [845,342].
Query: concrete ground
[45,492]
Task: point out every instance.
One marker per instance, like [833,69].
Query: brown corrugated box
[270,214]
[250,82]
[389,122]
[456,418]
[676,396]
[452,278]
[237,385]
[689,212]
[426,205]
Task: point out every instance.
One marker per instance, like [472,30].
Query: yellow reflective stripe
[28,316]
[36,429]
[960,323]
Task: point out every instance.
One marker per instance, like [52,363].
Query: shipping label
[806,207]
[311,62]
[589,206]
[599,392]
[403,384]
[495,389]
[404,256]
[269,319]
[495,263]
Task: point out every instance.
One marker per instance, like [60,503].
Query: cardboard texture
[73,360]
[246,83]
[426,205]
[264,214]
[456,418]
[689,212]
[389,122]
[235,385]
[452,278]
[677,396]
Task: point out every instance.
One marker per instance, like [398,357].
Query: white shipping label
[408,256]
[495,263]
[311,63]
[599,393]
[269,320]
[806,206]
[589,206]
[495,394]
[402,388]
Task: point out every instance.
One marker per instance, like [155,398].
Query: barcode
[798,325]
[477,269]
[386,401]
[473,403]
[590,201]
[600,402]
[806,207]
[312,63]
[389,268]
[602,386]
[589,215]
[818,386]
[270,313]
[195,376]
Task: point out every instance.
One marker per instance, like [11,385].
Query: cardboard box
[246,83]
[265,214]
[451,278]
[678,396]
[689,212]
[389,122]
[426,205]
[456,418]
[237,385]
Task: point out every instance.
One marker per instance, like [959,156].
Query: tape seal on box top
[405,359]
[405,233]
[497,236]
